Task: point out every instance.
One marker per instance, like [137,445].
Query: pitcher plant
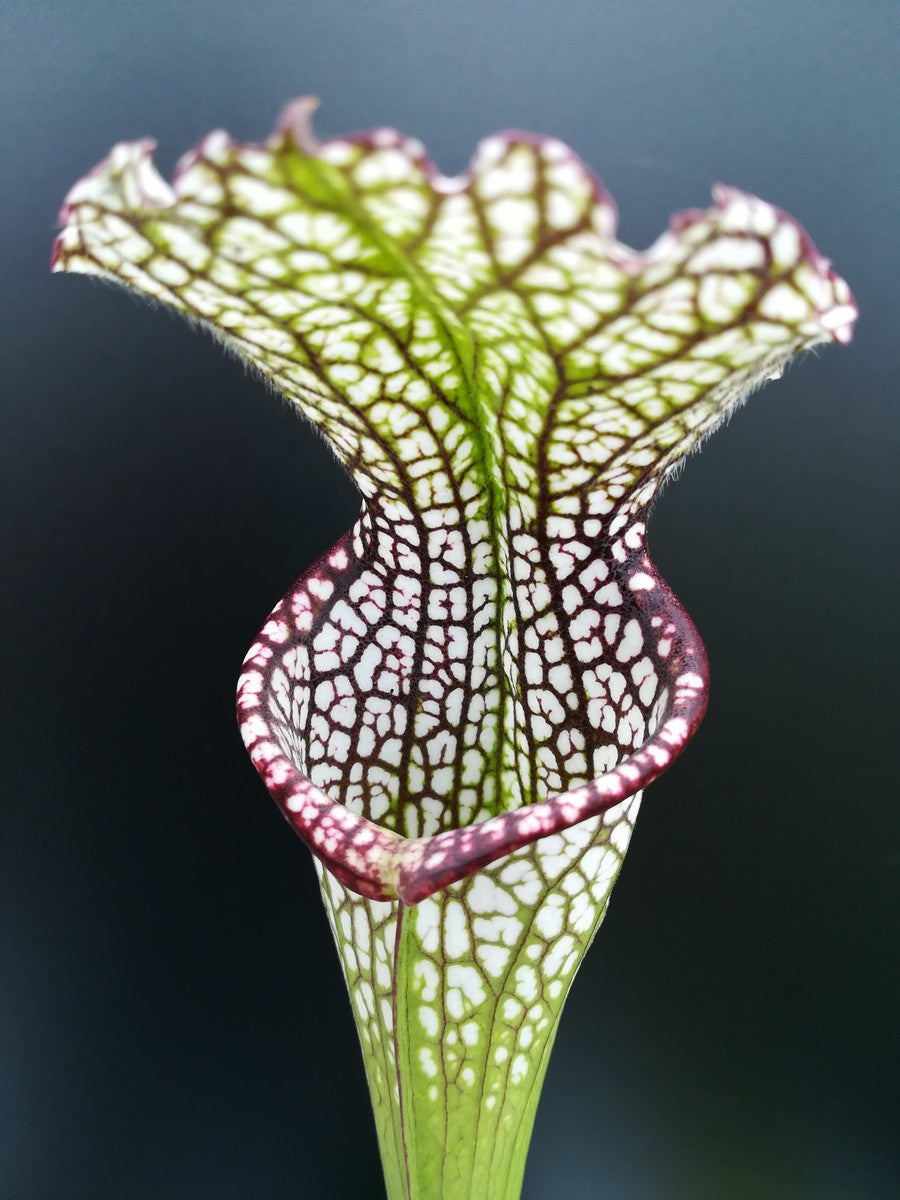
[458,706]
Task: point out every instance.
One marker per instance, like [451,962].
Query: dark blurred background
[174,1022]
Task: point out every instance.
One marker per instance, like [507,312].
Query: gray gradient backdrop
[174,1024]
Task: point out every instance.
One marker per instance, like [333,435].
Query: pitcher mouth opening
[382,864]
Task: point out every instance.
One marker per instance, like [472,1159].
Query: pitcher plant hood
[489,657]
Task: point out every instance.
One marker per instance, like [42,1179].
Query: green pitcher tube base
[457,1001]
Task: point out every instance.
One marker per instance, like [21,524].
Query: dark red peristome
[379,863]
